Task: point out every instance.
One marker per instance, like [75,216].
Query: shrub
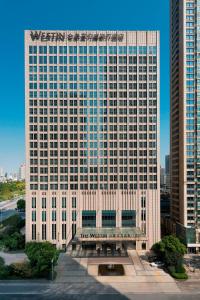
[15,242]
[180,269]
[4,272]
[21,270]
[171,269]
[179,275]
[14,221]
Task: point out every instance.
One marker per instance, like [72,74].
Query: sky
[16,16]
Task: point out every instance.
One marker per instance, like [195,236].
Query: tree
[40,256]
[170,250]
[15,242]
[21,204]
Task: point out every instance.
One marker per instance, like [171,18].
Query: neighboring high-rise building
[185,120]
[22,172]
[92,138]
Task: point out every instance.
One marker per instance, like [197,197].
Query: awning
[109,234]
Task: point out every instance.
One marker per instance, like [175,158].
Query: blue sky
[16,16]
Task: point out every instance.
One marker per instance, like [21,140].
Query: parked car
[157,264]
[152,258]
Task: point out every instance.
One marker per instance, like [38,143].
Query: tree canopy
[21,204]
[170,250]
[41,256]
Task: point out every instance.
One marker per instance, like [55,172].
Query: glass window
[108,218]
[34,202]
[73,202]
[73,215]
[64,202]
[83,49]
[102,50]
[64,215]
[88,218]
[53,202]
[112,50]
[128,218]
[132,49]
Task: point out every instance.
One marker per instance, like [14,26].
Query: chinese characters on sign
[64,37]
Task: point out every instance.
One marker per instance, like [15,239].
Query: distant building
[167,174]
[22,172]
[2,176]
[1,172]
[162,178]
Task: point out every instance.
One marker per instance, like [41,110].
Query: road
[45,290]
[8,208]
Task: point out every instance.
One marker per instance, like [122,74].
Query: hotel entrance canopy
[109,234]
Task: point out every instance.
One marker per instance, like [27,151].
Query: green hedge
[179,275]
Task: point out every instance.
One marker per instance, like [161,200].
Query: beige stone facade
[92,133]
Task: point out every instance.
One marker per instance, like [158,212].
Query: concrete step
[71,273]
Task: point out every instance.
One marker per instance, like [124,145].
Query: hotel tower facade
[92,138]
[185,121]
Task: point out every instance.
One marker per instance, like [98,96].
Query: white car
[157,264]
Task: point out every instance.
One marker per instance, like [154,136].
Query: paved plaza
[139,277]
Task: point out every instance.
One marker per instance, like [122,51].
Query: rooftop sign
[44,36]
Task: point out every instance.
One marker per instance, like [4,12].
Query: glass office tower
[92,137]
[185,120]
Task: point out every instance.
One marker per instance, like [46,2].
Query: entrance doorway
[108,248]
[88,246]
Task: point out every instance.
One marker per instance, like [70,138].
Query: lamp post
[52,269]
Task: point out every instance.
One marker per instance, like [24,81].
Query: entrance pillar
[119,245]
[98,246]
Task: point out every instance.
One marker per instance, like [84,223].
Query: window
[43,216]
[34,216]
[128,218]
[73,202]
[64,231]
[88,218]
[34,232]
[53,202]
[64,215]
[53,215]
[43,202]
[108,218]
[33,202]
[53,231]
[64,202]
[44,232]
[73,230]
[73,215]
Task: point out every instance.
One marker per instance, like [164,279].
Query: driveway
[13,257]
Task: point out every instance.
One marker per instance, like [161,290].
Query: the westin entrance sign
[102,234]
[44,36]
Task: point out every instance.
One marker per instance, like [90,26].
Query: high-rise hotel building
[185,120]
[92,138]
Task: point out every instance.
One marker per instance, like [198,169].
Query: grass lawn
[9,190]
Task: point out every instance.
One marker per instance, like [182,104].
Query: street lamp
[52,271]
